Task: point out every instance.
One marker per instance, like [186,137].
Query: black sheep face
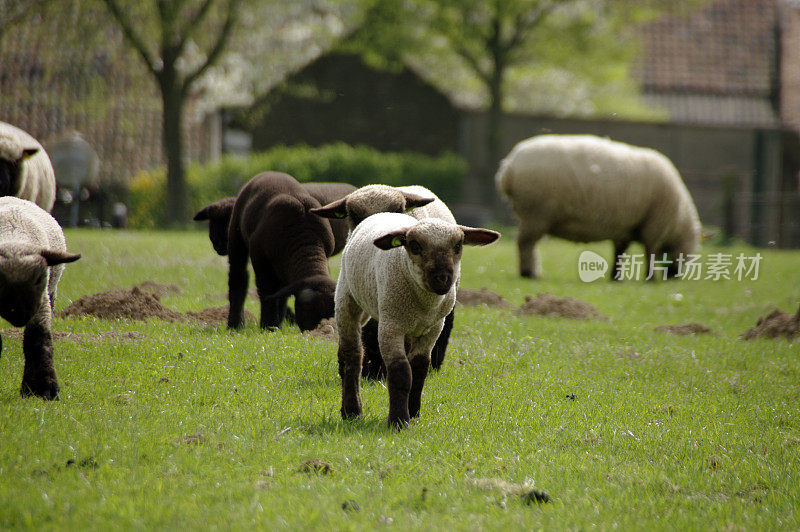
[9,174]
[21,289]
[313,303]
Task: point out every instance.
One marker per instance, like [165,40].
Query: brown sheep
[288,247]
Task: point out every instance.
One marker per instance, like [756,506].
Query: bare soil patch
[119,303]
[159,289]
[326,330]
[82,337]
[683,328]
[776,324]
[563,307]
[483,296]
[216,315]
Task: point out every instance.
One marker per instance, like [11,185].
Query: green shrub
[357,165]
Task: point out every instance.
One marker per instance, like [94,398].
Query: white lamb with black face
[25,169]
[418,202]
[32,256]
[404,273]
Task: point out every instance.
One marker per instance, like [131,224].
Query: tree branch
[130,34]
[217,48]
[195,21]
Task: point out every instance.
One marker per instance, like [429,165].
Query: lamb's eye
[414,248]
[457,248]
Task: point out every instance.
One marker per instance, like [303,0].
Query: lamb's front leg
[350,353]
[39,375]
[398,374]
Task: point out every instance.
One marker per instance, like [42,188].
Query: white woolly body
[25,226]
[434,209]
[585,188]
[385,283]
[38,180]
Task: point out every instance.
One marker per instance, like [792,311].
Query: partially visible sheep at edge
[218,215]
[585,188]
[288,248]
[418,202]
[25,169]
[32,256]
[404,273]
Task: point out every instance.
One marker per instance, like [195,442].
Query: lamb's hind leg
[419,357]
[437,355]
[348,323]
[39,375]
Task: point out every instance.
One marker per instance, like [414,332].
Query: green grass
[664,432]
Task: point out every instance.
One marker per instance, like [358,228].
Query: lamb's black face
[314,304]
[435,258]
[218,234]
[8,177]
[18,303]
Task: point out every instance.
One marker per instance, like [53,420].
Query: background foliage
[357,165]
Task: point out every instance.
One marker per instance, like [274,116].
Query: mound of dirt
[83,337]
[158,289]
[119,303]
[326,330]
[216,315]
[774,325]
[481,297]
[563,307]
[683,328]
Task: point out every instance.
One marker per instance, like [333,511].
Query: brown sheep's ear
[395,239]
[335,209]
[218,209]
[53,257]
[415,200]
[28,152]
[478,237]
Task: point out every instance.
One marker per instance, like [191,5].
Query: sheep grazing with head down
[402,272]
[218,215]
[418,202]
[32,256]
[288,247]
[585,188]
[25,169]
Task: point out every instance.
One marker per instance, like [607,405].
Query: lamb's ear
[415,200]
[335,209]
[478,237]
[287,291]
[28,152]
[53,257]
[223,207]
[395,239]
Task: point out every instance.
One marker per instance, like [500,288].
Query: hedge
[358,165]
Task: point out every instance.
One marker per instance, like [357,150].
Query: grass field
[180,425]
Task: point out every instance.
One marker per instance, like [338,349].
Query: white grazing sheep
[32,256]
[402,272]
[415,200]
[25,169]
[585,188]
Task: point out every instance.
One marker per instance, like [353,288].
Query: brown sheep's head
[313,300]
[218,215]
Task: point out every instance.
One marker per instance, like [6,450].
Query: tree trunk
[172,142]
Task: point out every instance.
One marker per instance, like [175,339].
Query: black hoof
[47,390]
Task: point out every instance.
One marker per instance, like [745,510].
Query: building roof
[715,64]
